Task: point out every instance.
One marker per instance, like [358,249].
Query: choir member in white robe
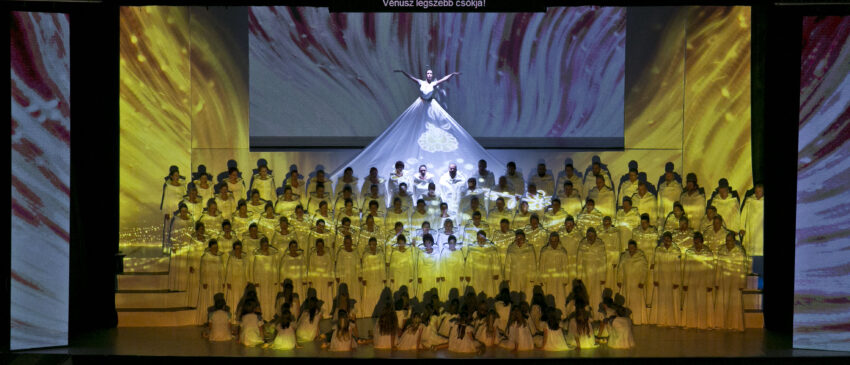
[715,235]
[212,281]
[251,239]
[452,268]
[373,179]
[693,200]
[498,213]
[317,197]
[671,222]
[419,182]
[698,284]
[569,175]
[256,205]
[684,236]
[482,265]
[370,229]
[486,179]
[349,212]
[629,187]
[603,197]
[522,217]
[419,215]
[646,203]
[502,239]
[627,220]
[319,179]
[645,235]
[473,226]
[296,181]
[570,238]
[347,179]
[225,201]
[339,204]
[752,222]
[666,268]
[521,266]
[283,234]
[447,230]
[373,194]
[212,218]
[235,184]
[405,195]
[293,266]
[591,264]
[669,193]
[402,269]
[391,238]
[227,237]
[708,220]
[419,234]
[537,200]
[590,217]
[206,189]
[396,178]
[264,274]
[472,193]
[397,213]
[374,276]
[610,236]
[321,231]
[552,267]
[347,270]
[172,192]
[503,189]
[451,184]
[269,221]
[432,201]
[732,268]
[515,179]
[589,181]
[569,198]
[378,215]
[345,228]
[301,224]
[543,180]
[180,240]
[320,274]
[620,330]
[536,235]
[465,216]
[631,281]
[242,218]
[427,267]
[236,275]
[194,202]
[264,183]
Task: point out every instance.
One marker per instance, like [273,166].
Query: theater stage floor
[652,342]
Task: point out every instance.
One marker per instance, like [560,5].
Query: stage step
[146,264]
[753,319]
[148,317]
[752,299]
[154,299]
[143,281]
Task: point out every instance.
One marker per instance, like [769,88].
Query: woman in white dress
[264,276]
[172,192]
[202,182]
[256,205]
[219,322]
[212,275]
[344,336]
[518,333]
[235,184]
[488,333]
[553,335]
[251,324]
[431,322]
[269,221]
[236,274]
[293,266]
[347,179]
[286,203]
[620,334]
[194,251]
[579,331]
[308,323]
[212,218]
[320,267]
[242,218]
[411,334]
[285,338]
[179,238]
[462,336]
[503,308]
[385,333]
[263,182]
[374,277]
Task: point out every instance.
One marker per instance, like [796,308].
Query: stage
[652,342]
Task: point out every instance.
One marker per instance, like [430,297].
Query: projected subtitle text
[426,4]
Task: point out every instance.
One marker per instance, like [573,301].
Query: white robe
[194,252]
[553,267]
[517,182]
[340,185]
[427,270]
[402,270]
[620,335]
[452,268]
[668,193]
[450,189]
[237,189]
[265,276]
[605,201]
[570,241]
[571,204]
[172,196]
[665,304]
[521,269]
[551,220]
[265,186]
[226,206]
[374,273]
[320,272]
[694,206]
[347,271]
[482,264]
[732,268]
[646,204]
[591,264]
[647,239]
[420,184]
[578,184]
[295,269]
[698,275]
[627,223]
[752,222]
[394,181]
[631,274]
[487,180]
[212,275]
[180,239]
[545,183]
[236,277]
[611,237]
[627,189]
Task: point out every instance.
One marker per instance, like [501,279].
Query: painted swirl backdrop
[41,179]
[822,272]
[185,91]
[554,74]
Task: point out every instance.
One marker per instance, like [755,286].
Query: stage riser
[146,264]
[156,319]
[143,282]
[753,319]
[150,300]
[753,282]
[752,301]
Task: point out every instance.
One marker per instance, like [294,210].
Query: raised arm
[409,76]
[446,78]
